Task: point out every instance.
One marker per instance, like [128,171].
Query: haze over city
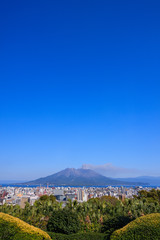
[79,87]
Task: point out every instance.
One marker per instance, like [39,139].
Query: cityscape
[80,120]
[21,195]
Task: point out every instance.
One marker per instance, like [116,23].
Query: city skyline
[79,86]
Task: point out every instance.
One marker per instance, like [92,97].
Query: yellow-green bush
[12,228]
[146,227]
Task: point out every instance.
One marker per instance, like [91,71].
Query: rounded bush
[12,228]
[146,227]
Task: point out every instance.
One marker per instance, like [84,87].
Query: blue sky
[79,84]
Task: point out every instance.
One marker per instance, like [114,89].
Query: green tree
[114,223]
[63,221]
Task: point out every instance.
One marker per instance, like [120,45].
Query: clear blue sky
[79,84]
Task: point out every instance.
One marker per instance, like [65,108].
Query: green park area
[105,218]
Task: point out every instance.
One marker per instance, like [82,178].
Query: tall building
[81,195]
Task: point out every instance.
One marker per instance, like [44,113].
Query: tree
[63,221]
[114,223]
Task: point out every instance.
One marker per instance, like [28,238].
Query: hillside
[154,181]
[79,177]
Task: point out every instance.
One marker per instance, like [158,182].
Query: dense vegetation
[79,236]
[63,221]
[96,216]
[16,229]
[146,227]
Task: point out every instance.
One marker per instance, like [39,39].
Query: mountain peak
[80,172]
[78,177]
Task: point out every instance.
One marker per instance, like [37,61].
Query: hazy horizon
[98,170]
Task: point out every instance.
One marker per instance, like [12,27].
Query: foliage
[64,221]
[150,196]
[36,215]
[112,200]
[146,227]
[79,236]
[14,228]
[114,223]
[94,216]
[47,198]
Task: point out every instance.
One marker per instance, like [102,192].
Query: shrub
[146,227]
[12,228]
[114,223]
[79,236]
[63,221]
[109,199]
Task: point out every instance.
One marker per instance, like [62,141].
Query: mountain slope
[78,177]
[154,181]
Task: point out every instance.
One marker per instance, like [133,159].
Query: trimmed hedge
[79,236]
[12,228]
[146,227]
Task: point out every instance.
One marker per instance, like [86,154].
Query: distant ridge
[154,181]
[79,177]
